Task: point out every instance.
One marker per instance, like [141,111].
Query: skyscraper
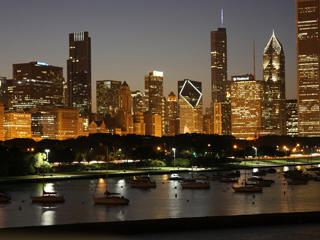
[246,106]
[190,106]
[35,85]
[108,97]
[292,117]
[220,86]
[79,72]
[274,109]
[153,83]
[138,102]
[125,98]
[308,63]
[171,121]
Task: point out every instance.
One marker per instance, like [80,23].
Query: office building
[171,115]
[308,63]
[246,106]
[153,83]
[220,86]
[108,97]
[2,134]
[274,109]
[138,102]
[292,117]
[153,124]
[17,125]
[79,73]
[139,126]
[190,106]
[35,85]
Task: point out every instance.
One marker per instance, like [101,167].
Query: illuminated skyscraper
[246,106]
[79,72]
[17,125]
[171,116]
[108,97]
[274,109]
[190,106]
[220,86]
[292,117]
[308,64]
[125,98]
[153,83]
[2,135]
[4,91]
[35,85]
[138,102]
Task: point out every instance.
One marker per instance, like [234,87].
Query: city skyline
[180,50]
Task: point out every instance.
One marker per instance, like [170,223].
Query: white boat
[176,176]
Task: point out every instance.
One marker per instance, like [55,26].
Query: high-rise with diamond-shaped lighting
[274,109]
[308,64]
[79,73]
[190,106]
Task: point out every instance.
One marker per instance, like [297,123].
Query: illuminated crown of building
[274,43]
[190,93]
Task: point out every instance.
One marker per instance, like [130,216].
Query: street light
[47,153]
[174,156]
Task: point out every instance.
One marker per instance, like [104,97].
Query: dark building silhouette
[220,86]
[35,85]
[79,72]
[274,108]
[308,63]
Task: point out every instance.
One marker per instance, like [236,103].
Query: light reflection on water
[168,200]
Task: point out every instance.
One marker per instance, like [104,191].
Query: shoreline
[176,224]
[127,173]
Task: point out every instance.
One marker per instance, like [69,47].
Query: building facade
[153,83]
[292,117]
[17,125]
[190,106]
[220,86]
[108,97]
[308,64]
[138,102]
[79,73]
[274,109]
[246,106]
[35,85]
[153,124]
[171,116]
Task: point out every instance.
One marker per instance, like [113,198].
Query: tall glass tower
[79,72]
[308,64]
[274,109]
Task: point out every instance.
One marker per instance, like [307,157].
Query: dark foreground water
[168,200]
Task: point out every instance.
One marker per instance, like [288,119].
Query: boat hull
[195,185]
[247,189]
[111,200]
[143,185]
[4,199]
[47,199]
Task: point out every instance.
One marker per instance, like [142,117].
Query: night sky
[133,37]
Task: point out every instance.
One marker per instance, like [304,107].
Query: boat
[201,177]
[297,182]
[4,198]
[176,176]
[48,197]
[110,198]
[194,184]
[142,182]
[247,188]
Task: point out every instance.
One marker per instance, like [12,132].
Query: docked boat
[4,198]
[142,182]
[201,177]
[176,176]
[194,184]
[48,197]
[247,188]
[111,199]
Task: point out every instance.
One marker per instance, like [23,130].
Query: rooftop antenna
[222,23]
[254,59]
